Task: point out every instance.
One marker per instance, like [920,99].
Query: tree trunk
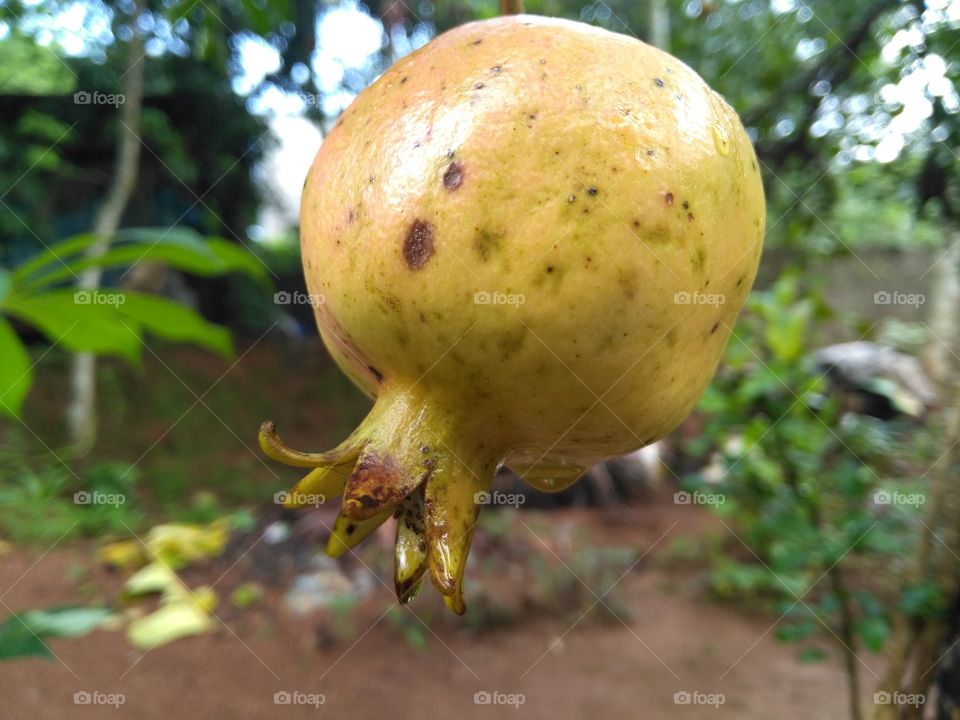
[82,411]
[944,310]
[658,18]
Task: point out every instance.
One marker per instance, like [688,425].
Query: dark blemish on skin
[668,198]
[424,449]
[350,217]
[699,259]
[496,69]
[453,177]
[477,41]
[686,205]
[403,79]
[479,86]
[658,82]
[714,328]
[689,216]
[417,144]
[636,223]
[373,179]
[650,153]
[450,154]
[418,245]
[532,116]
[591,191]
[549,268]
[423,318]
[486,242]
[350,529]
[740,281]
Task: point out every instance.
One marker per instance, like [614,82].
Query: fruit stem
[511,7]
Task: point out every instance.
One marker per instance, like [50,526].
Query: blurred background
[792,550]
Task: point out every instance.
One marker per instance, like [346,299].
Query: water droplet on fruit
[721,140]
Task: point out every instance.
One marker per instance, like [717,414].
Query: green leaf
[22,634]
[57,255]
[811,655]
[65,622]
[5,283]
[16,640]
[873,631]
[172,321]
[16,372]
[81,321]
[180,248]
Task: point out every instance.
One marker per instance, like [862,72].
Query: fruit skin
[596,178]
[482,137]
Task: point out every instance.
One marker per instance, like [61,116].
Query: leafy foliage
[818,510]
[108,322]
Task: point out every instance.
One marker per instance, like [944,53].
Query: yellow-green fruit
[531,239]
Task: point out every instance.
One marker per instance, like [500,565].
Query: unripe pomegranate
[532,238]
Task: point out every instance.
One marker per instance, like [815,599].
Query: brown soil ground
[565,666]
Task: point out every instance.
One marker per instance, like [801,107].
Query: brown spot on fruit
[418,245]
[699,259]
[453,177]
[716,325]
[591,191]
[376,373]
[486,243]
[668,198]
[658,82]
